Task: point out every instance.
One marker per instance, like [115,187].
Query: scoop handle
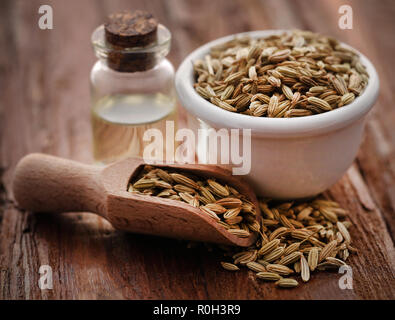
[45,183]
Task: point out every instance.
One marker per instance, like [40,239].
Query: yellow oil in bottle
[119,122]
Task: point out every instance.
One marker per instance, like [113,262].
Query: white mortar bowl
[291,157]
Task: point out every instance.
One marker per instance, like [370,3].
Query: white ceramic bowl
[291,157]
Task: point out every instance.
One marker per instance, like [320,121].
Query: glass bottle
[132,90]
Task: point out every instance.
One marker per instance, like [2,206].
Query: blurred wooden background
[44,107]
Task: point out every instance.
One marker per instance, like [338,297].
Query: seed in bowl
[295,74]
[218,201]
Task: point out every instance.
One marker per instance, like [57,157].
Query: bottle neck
[107,64]
[131,62]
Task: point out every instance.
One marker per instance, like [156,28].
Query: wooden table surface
[44,107]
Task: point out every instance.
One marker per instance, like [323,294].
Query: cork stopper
[131,29]
[128,30]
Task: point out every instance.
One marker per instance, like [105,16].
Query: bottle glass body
[127,104]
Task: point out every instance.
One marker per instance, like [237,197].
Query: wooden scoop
[45,183]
